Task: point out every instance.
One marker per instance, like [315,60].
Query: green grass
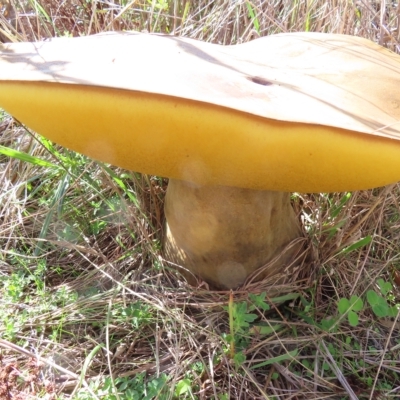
[89,309]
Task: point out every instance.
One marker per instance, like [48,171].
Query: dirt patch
[26,385]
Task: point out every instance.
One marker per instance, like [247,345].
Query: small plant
[128,388]
[183,387]
[242,322]
[379,303]
[351,307]
[239,324]
[136,313]
[258,301]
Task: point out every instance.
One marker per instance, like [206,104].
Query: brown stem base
[223,234]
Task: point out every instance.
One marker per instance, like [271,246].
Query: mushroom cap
[294,112]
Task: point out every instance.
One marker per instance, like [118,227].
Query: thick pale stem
[223,234]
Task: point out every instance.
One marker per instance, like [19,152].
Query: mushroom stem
[223,234]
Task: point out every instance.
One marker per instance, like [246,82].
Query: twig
[339,373]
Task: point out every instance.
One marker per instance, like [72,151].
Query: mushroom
[235,128]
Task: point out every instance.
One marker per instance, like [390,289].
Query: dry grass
[88,304]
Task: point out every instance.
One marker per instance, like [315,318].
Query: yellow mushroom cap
[293,112]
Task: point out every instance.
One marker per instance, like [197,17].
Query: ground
[89,309]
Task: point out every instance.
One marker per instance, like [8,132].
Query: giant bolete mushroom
[235,128]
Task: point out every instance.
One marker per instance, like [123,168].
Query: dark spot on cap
[259,80]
